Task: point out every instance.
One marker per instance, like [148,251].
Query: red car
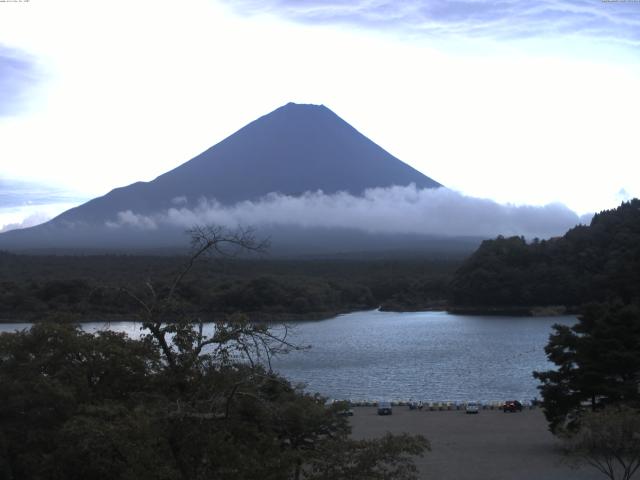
[512,406]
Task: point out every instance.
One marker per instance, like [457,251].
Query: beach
[490,445]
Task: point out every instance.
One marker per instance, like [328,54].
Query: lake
[429,356]
[432,356]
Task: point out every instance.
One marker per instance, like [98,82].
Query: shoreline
[258,317]
[515,311]
[269,317]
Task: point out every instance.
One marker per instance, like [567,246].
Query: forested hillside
[594,263]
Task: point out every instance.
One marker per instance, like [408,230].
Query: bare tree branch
[187,343]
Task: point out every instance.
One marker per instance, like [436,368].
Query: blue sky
[519,102]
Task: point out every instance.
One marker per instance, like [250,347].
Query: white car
[472,407]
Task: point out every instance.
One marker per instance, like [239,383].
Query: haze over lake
[431,356]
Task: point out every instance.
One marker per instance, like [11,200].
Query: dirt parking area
[490,445]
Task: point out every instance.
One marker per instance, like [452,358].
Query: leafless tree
[181,338]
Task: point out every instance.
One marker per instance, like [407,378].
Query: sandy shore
[491,445]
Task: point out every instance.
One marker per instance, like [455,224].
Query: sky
[523,104]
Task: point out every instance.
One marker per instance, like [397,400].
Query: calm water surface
[432,356]
[427,355]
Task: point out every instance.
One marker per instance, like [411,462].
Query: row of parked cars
[509,406]
[384,407]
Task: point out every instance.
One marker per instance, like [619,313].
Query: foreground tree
[57,381]
[592,400]
[180,403]
[609,441]
[598,364]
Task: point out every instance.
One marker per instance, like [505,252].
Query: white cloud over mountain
[404,210]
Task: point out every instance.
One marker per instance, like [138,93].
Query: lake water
[429,356]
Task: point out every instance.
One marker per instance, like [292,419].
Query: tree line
[599,262]
[36,288]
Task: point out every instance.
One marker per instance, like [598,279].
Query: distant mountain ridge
[295,149]
[292,150]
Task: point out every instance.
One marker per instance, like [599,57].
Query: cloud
[17,76]
[179,201]
[403,210]
[20,193]
[32,220]
[26,204]
[502,19]
[130,219]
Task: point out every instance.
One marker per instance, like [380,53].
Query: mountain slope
[294,149]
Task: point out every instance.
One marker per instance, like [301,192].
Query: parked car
[342,407]
[347,412]
[512,406]
[384,408]
[472,407]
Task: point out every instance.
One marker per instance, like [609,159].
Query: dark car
[512,406]
[342,407]
[384,408]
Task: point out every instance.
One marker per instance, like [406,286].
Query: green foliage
[109,441]
[48,374]
[600,262]
[67,288]
[609,441]
[79,406]
[598,362]
[176,404]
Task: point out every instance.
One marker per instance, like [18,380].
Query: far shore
[263,317]
[490,445]
[273,317]
[515,310]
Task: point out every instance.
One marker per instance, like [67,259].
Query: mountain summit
[292,150]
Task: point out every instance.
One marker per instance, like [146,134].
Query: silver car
[472,407]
